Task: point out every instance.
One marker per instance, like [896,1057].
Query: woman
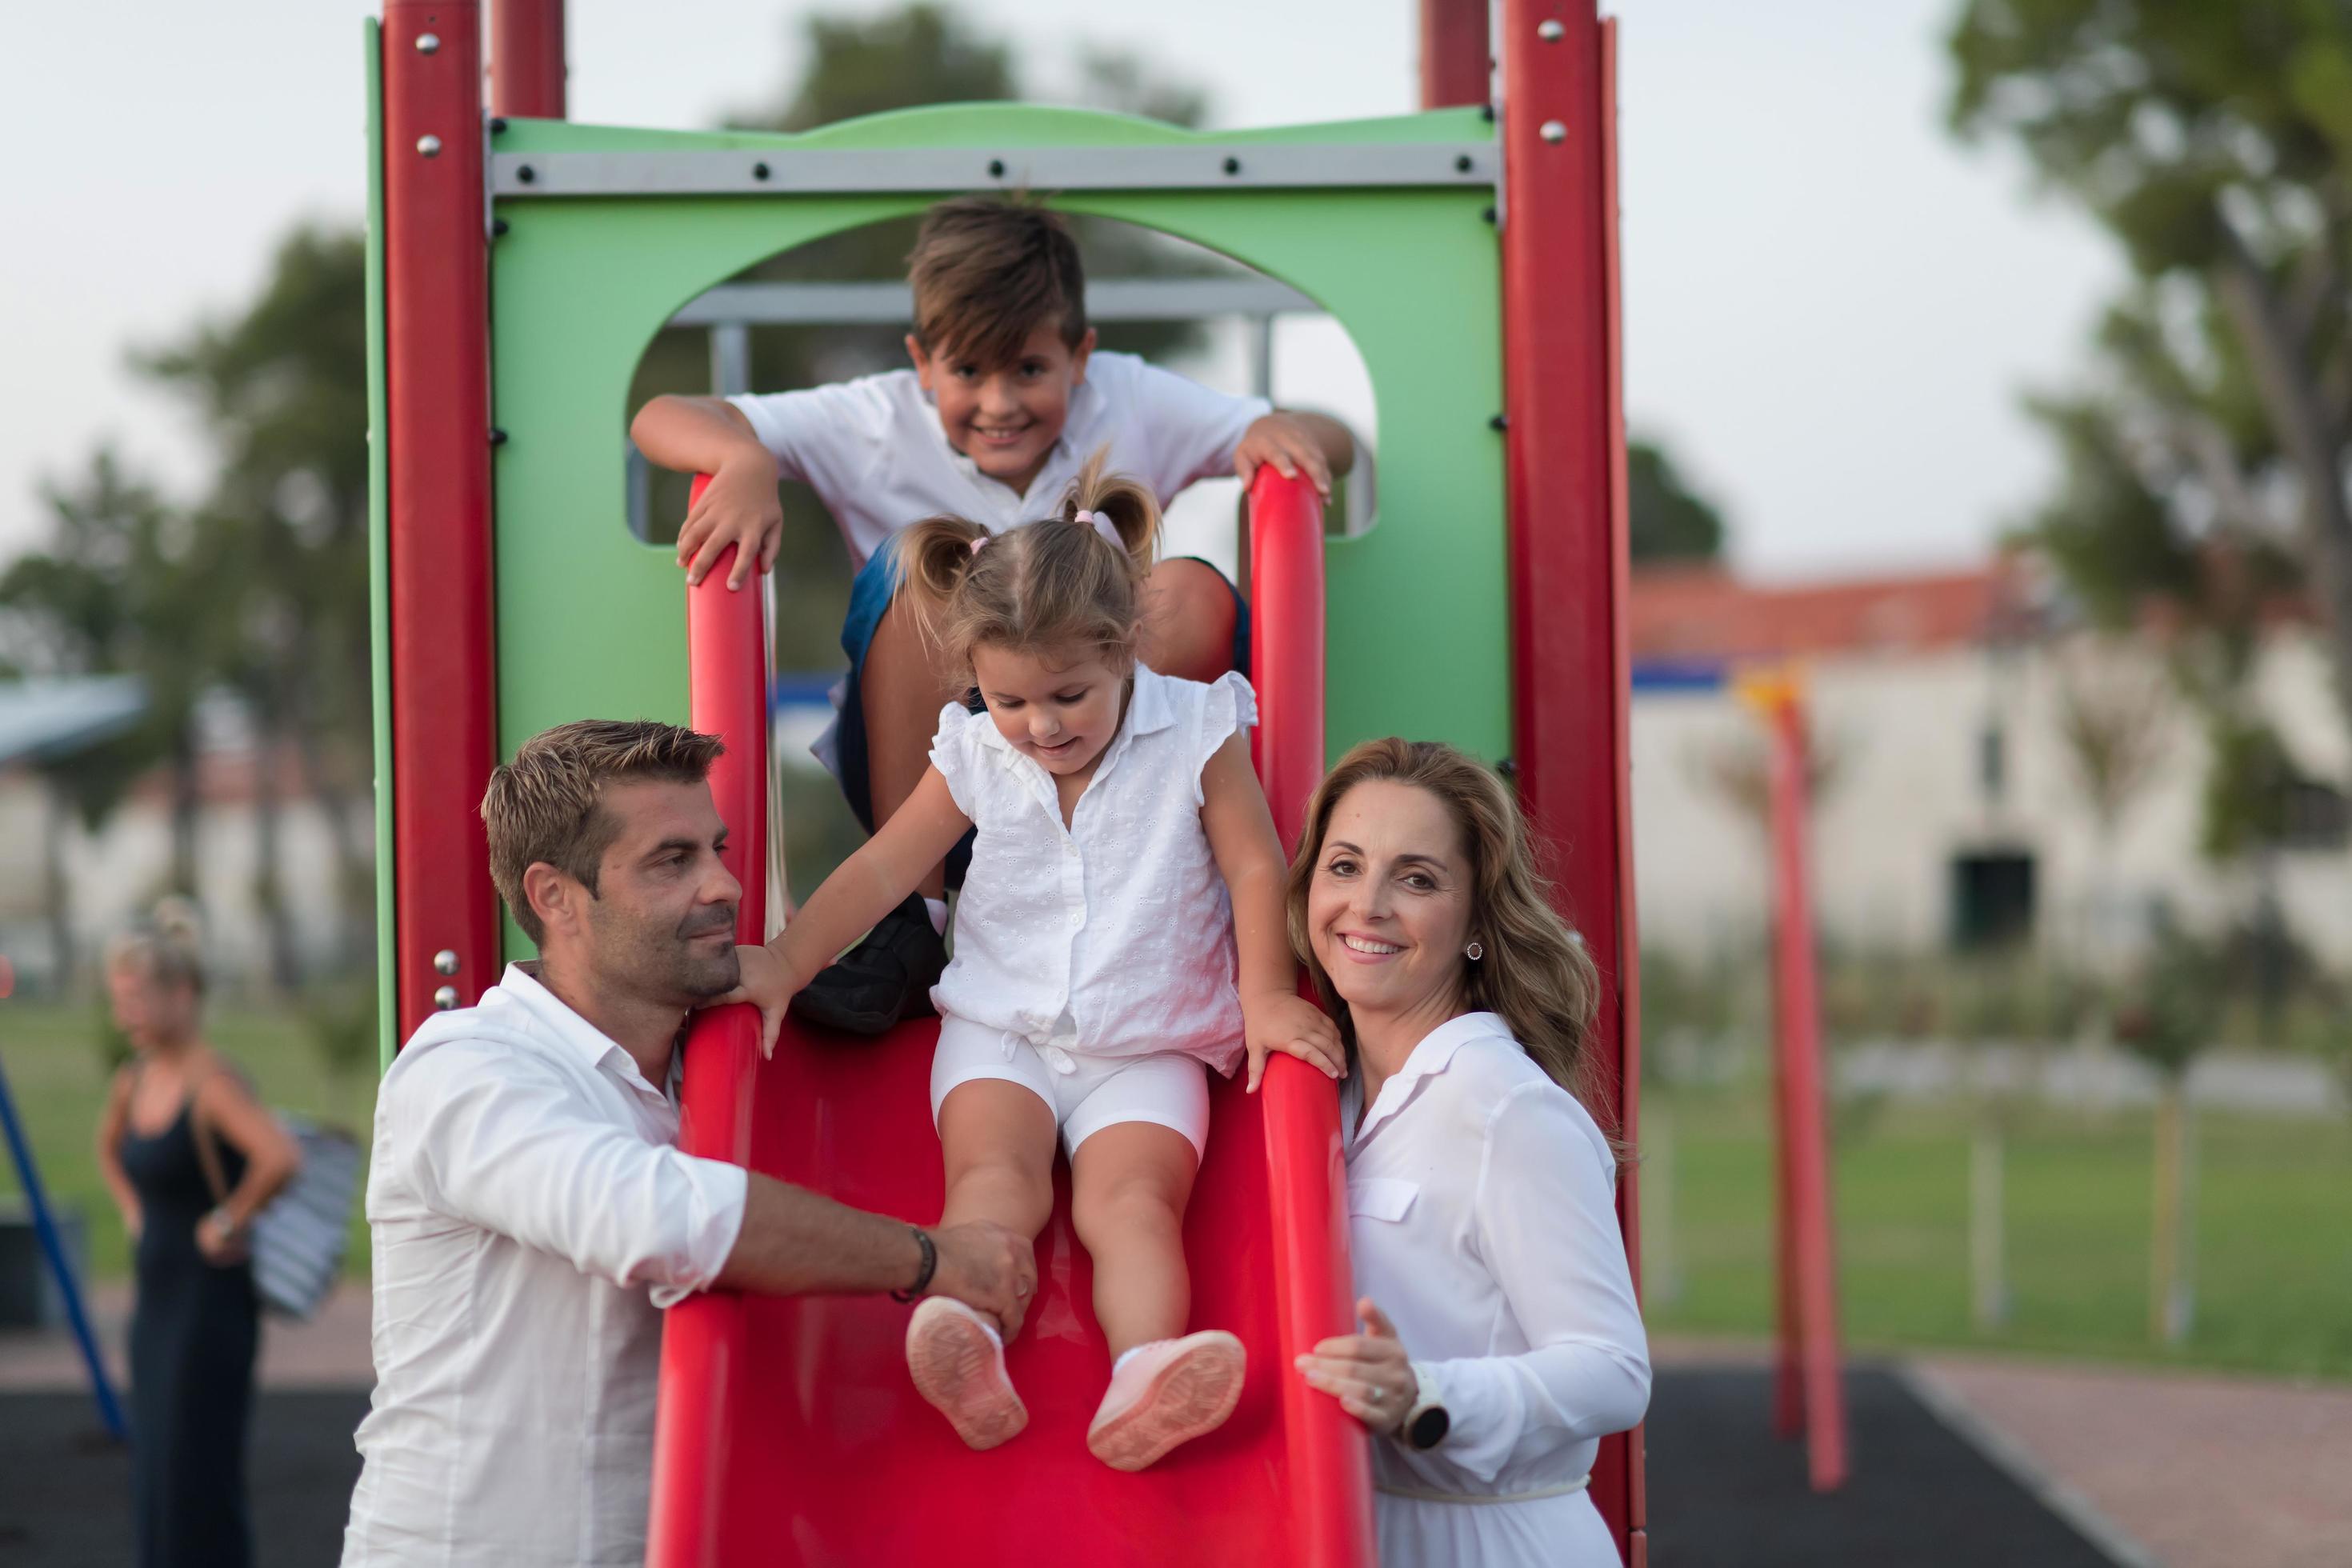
[1502,1337]
[177,1107]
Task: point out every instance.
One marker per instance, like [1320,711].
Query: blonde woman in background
[195,1323]
[1502,1340]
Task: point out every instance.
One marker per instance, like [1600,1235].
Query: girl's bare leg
[1130,1184]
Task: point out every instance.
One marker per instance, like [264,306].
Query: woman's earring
[1474,952]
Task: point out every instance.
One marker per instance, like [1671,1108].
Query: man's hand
[1284,441]
[766,984]
[1283,1021]
[739,506]
[989,1269]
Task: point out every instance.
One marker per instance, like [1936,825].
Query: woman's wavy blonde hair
[1044,586]
[1535,972]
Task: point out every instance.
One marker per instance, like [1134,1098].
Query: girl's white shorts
[1088,1093]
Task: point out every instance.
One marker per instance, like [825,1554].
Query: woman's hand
[134,1222]
[767,983]
[1369,1373]
[221,1239]
[739,506]
[1285,1022]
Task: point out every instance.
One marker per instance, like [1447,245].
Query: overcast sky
[1830,307]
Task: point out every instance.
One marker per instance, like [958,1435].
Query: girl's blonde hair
[167,946]
[1045,585]
[1535,971]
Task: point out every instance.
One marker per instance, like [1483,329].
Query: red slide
[788,1430]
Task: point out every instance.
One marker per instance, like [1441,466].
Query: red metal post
[1454,64]
[1566,543]
[438,464]
[1804,1139]
[527,71]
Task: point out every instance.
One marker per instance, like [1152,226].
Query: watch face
[1429,1427]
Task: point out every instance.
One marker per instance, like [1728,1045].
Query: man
[531,1212]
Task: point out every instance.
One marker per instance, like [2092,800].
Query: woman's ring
[1379,1394]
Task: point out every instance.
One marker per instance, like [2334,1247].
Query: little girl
[1124,860]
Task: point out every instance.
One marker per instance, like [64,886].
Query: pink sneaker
[1170,1391]
[958,1364]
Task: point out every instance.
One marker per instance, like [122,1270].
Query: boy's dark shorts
[870,596]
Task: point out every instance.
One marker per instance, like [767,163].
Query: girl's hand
[739,506]
[766,984]
[1285,442]
[1285,1022]
[1369,1373]
[134,1223]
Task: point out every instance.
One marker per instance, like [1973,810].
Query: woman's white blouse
[1113,937]
[1483,1216]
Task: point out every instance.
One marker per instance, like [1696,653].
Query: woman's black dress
[193,1331]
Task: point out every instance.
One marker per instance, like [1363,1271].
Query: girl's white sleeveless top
[1113,937]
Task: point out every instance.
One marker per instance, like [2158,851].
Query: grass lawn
[57,1071]
[2273,1208]
[2272,1259]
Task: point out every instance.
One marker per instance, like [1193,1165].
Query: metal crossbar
[856,170]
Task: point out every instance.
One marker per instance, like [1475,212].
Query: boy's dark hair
[548,803]
[988,271]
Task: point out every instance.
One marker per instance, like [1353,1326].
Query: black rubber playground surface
[1722,1490]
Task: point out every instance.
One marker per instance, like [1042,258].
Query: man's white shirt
[531,1216]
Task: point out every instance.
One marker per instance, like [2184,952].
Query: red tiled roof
[1705,613]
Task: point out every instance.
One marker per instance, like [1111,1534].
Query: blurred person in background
[195,1321]
[1502,1339]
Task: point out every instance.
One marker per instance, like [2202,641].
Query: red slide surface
[788,1430]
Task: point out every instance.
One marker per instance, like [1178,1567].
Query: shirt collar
[1148,709]
[1432,1056]
[524,989]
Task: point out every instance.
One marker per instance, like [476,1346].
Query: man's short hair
[547,804]
[987,271]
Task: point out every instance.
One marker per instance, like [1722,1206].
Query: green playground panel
[590,621]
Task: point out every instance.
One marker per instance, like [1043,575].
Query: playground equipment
[1471,257]
[53,1252]
[1808,1392]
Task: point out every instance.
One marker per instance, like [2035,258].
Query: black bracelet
[931,1265]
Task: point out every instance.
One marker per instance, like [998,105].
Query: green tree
[122,587]
[281,387]
[2212,140]
[1667,519]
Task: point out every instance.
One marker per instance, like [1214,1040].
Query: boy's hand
[739,506]
[766,984]
[1285,442]
[1280,1021]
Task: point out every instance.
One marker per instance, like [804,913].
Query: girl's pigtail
[935,554]
[1126,502]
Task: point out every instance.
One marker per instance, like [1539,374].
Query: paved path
[2202,1471]
[329,1351]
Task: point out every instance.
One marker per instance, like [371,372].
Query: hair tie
[982,542]
[1102,525]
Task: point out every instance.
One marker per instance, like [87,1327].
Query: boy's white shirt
[874,452]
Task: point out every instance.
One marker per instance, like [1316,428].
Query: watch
[1426,1424]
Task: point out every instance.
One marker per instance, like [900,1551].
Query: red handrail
[727,661]
[1329,1461]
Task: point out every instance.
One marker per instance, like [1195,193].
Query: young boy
[1006,399]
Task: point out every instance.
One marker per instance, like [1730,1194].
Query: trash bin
[29,1297]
